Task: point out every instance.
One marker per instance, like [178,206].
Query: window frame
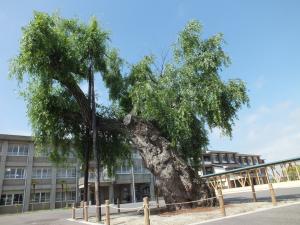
[18,149]
[15,174]
[9,199]
[65,196]
[38,197]
[216,158]
[45,173]
[66,172]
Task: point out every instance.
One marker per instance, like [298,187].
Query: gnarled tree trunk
[176,180]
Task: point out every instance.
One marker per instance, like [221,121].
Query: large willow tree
[164,113]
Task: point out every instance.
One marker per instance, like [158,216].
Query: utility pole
[96,153]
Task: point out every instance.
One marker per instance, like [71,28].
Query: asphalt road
[284,215]
[281,195]
[43,217]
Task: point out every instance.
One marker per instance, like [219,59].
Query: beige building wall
[37,192]
[58,189]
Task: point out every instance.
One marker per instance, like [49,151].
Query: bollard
[146,211]
[118,204]
[107,221]
[221,202]
[81,206]
[252,188]
[73,211]
[85,209]
[272,192]
[253,193]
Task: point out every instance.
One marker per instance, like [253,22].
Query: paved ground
[281,194]
[287,215]
[60,216]
[47,217]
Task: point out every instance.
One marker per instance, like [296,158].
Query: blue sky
[262,39]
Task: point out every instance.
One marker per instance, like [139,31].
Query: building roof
[9,137]
[230,152]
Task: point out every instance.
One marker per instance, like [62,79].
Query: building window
[11,199]
[138,166]
[71,195]
[250,161]
[245,161]
[231,158]
[66,173]
[40,197]
[215,159]
[0,147]
[18,149]
[224,158]
[238,160]
[61,196]
[206,158]
[18,199]
[43,153]
[124,169]
[255,160]
[136,154]
[14,173]
[41,173]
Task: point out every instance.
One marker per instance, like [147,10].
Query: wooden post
[221,201]
[85,208]
[146,211]
[272,192]
[257,177]
[81,206]
[118,204]
[286,172]
[252,187]
[267,174]
[73,211]
[107,214]
[157,201]
[234,181]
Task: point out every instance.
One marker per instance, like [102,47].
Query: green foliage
[188,96]
[293,172]
[183,100]
[55,51]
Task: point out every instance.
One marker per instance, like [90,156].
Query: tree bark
[177,181]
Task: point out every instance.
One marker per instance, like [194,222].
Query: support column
[89,195]
[27,191]
[77,199]
[53,188]
[111,193]
[152,188]
[2,163]
[133,186]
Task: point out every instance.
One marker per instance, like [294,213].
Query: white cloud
[272,131]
